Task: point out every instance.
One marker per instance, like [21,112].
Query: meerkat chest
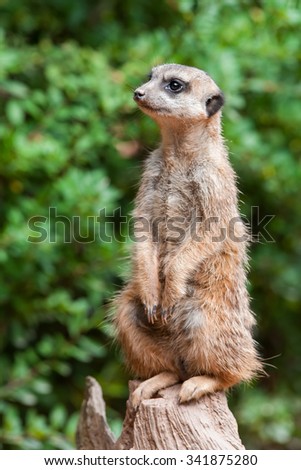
[174,196]
[173,207]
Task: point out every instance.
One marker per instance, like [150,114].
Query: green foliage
[57,154]
[70,145]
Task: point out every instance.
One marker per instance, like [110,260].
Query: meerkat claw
[151,313]
[145,309]
[154,313]
[147,313]
[164,314]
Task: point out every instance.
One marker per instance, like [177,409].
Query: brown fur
[185,312]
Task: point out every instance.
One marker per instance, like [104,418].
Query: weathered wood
[93,431]
[159,423]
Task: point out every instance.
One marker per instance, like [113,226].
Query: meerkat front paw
[151,313]
[170,296]
[166,312]
[168,305]
[150,302]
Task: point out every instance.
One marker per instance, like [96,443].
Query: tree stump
[159,423]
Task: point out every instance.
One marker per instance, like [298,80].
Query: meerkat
[184,316]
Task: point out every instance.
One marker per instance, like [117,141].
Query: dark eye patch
[175,85]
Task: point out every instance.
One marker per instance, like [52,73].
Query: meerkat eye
[175,86]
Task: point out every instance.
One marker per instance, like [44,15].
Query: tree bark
[159,423]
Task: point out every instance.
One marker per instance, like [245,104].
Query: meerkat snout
[138,94]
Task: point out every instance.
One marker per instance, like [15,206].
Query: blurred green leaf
[58,417]
[14,113]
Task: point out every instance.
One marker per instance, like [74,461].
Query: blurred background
[72,139]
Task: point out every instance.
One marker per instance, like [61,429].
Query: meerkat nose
[138,94]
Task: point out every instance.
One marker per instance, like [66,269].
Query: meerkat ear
[214,103]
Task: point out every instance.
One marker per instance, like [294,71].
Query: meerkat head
[180,93]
